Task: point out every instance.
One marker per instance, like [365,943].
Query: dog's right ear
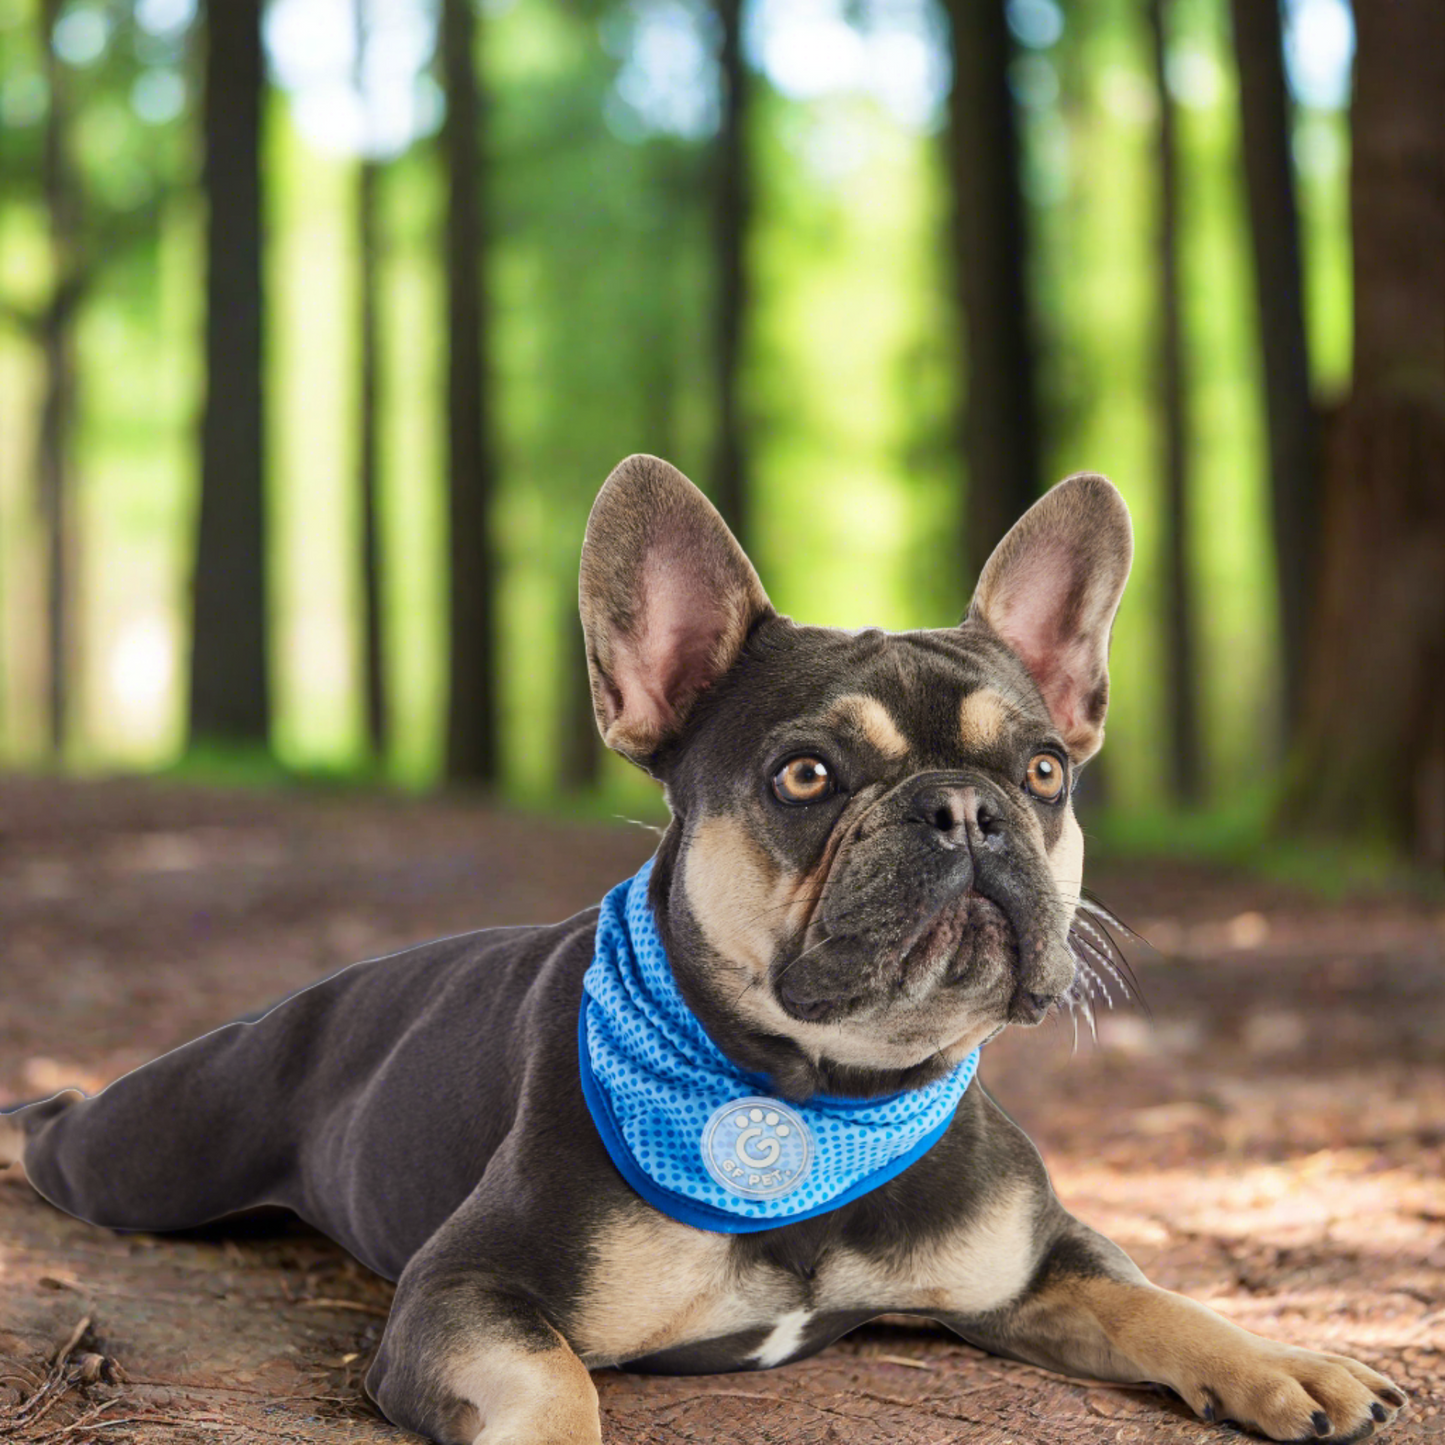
[668,599]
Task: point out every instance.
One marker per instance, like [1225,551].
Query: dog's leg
[1090,1312]
[188,1138]
[465,1359]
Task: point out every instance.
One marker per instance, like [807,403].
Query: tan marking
[872,720]
[545,1397]
[982,717]
[1066,860]
[983,1266]
[633,1308]
[738,895]
[1120,1330]
[656,1283]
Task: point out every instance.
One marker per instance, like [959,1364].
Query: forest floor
[1270,1139]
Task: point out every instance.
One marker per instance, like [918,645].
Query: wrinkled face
[872,864]
[876,858]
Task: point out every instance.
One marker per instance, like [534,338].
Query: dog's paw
[1291,1394]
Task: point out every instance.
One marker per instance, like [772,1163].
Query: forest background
[321,321]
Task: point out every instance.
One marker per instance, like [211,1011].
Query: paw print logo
[757,1148]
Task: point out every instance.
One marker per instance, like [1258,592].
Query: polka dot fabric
[655,1082]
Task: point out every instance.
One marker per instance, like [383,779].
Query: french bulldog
[872,868]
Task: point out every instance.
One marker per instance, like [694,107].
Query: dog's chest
[658,1288]
[681,1300]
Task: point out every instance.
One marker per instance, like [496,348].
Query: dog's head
[873,861]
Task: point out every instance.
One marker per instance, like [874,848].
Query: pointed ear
[668,599]
[1050,591]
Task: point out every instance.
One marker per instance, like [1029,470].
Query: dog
[729,1114]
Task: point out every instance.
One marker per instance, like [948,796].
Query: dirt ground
[1271,1139]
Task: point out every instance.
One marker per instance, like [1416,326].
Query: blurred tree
[1279,294]
[733,200]
[1181,650]
[83,174]
[472,752]
[1371,761]
[990,241]
[230,687]
[54,328]
[368,403]
[601,203]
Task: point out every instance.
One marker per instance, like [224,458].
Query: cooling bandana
[698,1137]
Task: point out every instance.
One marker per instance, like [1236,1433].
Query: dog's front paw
[1291,1394]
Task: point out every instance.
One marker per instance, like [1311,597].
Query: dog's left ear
[668,599]
[1050,591]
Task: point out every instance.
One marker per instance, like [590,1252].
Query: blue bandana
[698,1137]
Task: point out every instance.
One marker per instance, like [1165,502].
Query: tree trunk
[373,661]
[733,207]
[1181,653]
[1371,762]
[471,710]
[57,408]
[1279,296]
[999,420]
[230,691]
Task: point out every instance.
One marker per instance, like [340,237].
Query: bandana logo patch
[757,1148]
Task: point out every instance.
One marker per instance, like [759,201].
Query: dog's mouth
[968,931]
[965,931]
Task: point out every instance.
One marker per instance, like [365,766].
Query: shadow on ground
[1271,1140]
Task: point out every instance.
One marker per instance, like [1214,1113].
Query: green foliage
[1241,835]
[599,278]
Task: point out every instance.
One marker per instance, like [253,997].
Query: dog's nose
[960,814]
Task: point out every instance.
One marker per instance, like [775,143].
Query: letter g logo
[763,1158]
[757,1148]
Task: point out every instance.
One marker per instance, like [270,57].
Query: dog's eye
[803,780]
[1045,778]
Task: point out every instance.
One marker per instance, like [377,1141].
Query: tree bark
[999,419]
[230,689]
[1279,297]
[1181,652]
[373,660]
[57,407]
[471,712]
[733,211]
[1371,762]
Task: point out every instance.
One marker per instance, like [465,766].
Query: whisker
[812,948]
[1121,963]
[1109,967]
[638,823]
[1094,981]
[1090,901]
[778,908]
[1086,926]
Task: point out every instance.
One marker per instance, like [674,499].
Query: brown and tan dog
[872,868]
